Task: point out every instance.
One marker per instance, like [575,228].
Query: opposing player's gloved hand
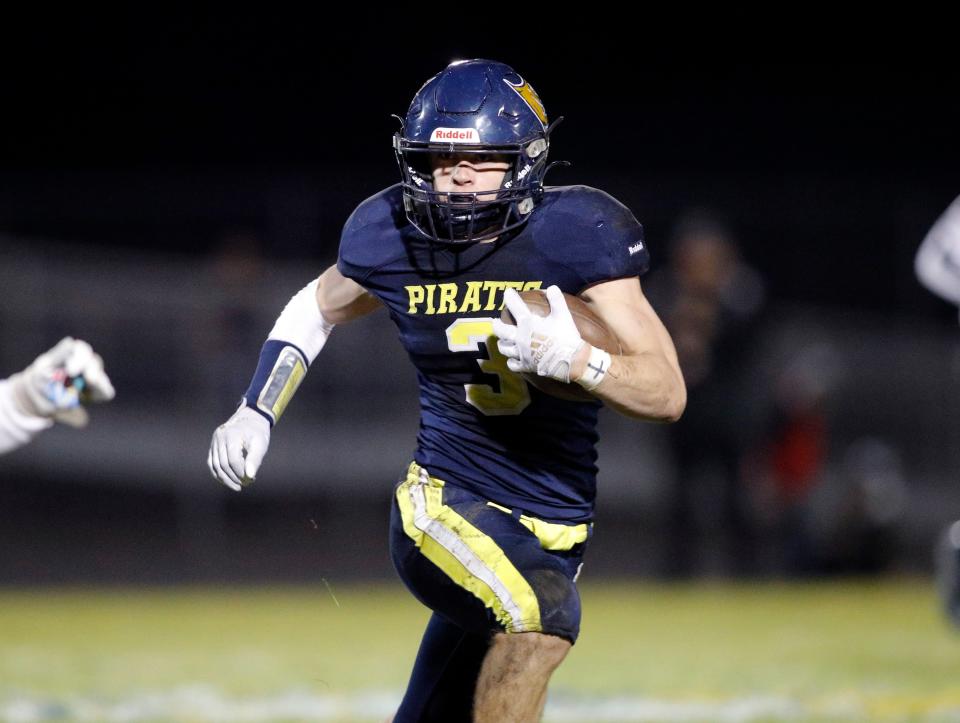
[545,345]
[60,381]
[238,447]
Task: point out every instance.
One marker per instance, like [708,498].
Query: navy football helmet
[473,107]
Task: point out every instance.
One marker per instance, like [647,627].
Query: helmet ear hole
[536,148]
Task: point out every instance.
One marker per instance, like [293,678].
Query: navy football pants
[481,569]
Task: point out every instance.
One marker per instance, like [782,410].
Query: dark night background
[137,150]
[158,132]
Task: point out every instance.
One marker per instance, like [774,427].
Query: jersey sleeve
[369,237]
[608,243]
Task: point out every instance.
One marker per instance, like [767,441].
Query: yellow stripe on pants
[468,556]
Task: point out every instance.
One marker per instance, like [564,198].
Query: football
[591,328]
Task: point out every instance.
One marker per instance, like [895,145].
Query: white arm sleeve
[302,324]
[16,428]
[938,259]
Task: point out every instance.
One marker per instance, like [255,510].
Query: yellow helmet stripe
[530,97]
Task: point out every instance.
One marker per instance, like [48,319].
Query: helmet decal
[530,97]
[455,135]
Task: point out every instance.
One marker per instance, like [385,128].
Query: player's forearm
[238,446]
[643,386]
[16,426]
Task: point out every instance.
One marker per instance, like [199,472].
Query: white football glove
[60,381]
[544,345]
[238,447]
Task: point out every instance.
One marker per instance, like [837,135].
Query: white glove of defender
[59,381]
[238,447]
[545,345]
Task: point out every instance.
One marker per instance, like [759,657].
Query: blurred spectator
[235,270]
[838,520]
[711,302]
[790,462]
[868,512]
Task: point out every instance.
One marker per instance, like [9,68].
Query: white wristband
[596,370]
[302,324]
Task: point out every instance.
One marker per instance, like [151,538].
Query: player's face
[469,173]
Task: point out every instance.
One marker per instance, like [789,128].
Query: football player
[938,268]
[491,518]
[52,389]
[938,258]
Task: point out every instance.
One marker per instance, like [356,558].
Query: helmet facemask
[466,217]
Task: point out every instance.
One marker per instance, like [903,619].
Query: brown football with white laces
[591,328]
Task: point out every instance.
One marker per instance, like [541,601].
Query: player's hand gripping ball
[540,333]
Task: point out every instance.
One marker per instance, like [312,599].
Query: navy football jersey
[482,427]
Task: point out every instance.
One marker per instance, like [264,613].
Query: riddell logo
[455,135]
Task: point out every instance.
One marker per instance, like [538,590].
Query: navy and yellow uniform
[491,519]
[481,426]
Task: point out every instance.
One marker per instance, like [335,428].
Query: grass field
[852,651]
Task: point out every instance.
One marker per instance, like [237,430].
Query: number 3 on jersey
[513,397]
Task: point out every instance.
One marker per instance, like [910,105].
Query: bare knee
[513,679]
[544,651]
